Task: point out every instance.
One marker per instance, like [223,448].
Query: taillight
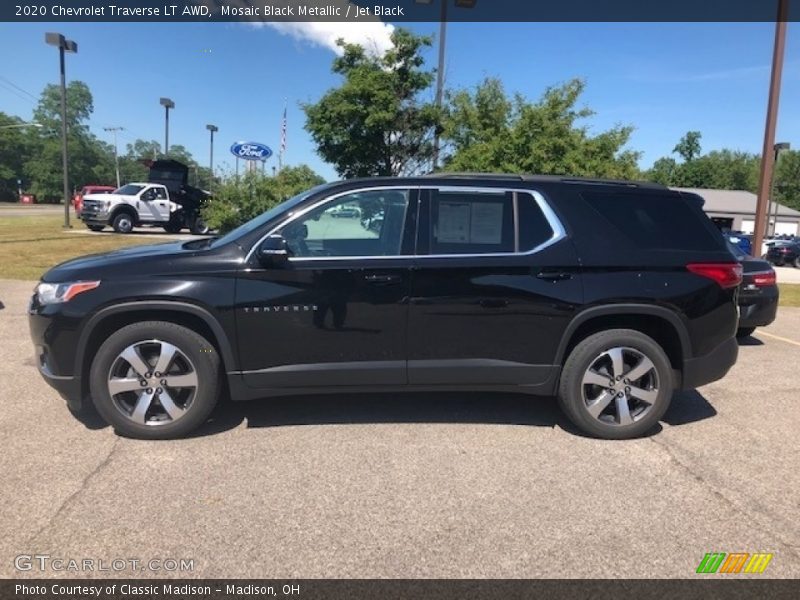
[764,279]
[727,275]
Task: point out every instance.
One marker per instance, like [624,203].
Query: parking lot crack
[717,493]
[71,498]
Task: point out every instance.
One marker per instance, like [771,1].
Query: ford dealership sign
[251,151]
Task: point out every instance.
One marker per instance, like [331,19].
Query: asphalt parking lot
[451,485]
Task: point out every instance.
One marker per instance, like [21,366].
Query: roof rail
[500,176]
[548,178]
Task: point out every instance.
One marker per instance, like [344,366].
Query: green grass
[30,245]
[790,294]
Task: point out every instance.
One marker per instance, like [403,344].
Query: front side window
[359,224]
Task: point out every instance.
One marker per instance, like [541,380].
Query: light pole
[779,147]
[440,69]
[114,130]
[64,45]
[765,178]
[213,129]
[167,104]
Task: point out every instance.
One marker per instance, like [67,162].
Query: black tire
[194,353]
[199,226]
[744,332]
[585,355]
[123,222]
[797,263]
[96,227]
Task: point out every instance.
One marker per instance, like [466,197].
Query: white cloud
[373,36]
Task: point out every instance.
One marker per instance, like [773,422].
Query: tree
[663,171]
[787,179]
[489,132]
[719,169]
[90,161]
[689,146]
[239,199]
[14,142]
[375,122]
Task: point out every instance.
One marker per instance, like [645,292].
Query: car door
[146,205]
[161,204]
[493,290]
[336,312]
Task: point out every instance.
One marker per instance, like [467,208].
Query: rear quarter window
[655,221]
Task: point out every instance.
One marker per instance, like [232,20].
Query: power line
[24,91]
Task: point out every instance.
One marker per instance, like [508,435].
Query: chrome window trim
[559,233]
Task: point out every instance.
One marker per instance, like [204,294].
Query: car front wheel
[616,384]
[122,223]
[155,380]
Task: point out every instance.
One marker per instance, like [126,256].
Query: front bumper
[93,215]
[713,366]
[54,348]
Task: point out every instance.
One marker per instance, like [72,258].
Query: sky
[665,79]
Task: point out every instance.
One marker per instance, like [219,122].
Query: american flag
[283,137]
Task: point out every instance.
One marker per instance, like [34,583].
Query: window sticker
[454,222]
[486,225]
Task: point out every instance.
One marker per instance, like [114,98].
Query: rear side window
[534,228]
[472,223]
[655,221]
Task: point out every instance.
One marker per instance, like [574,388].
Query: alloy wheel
[152,382]
[620,386]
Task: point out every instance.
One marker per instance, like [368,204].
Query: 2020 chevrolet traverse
[609,295]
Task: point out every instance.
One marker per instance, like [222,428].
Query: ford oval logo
[251,151]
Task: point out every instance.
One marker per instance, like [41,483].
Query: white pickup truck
[136,204]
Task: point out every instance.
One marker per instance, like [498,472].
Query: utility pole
[767,158]
[440,79]
[63,44]
[114,130]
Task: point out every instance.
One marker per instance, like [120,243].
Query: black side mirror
[273,251]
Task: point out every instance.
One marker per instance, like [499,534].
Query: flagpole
[283,135]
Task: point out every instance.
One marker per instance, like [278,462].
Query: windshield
[284,207]
[736,250]
[129,190]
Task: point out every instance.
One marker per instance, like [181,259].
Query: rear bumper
[758,311]
[710,367]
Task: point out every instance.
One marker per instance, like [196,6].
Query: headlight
[54,293]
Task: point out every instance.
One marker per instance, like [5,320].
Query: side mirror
[273,251]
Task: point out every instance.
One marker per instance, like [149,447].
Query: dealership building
[736,210]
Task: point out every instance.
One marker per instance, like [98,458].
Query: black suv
[608,294]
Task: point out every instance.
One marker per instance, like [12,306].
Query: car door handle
[494,303]
[554,275]
[381,279]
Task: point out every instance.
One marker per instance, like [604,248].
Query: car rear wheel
[797,263]
[122,223]
[199,226]
[616,384]
[155,380]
